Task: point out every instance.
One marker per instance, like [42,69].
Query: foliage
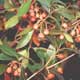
[36,23]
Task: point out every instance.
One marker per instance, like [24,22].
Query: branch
[49,67]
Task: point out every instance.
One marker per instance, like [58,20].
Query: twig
[49,67]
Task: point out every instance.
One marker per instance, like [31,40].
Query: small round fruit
[16,73]
[35,26]
[32,14]
[60,56]
[50,76]
[77,39]
[60,70]
[24,16]
[14,66]
[41,35]
[61,37]
[44,14]
[64,25]
[72,33]
[33,19]
[46,31]
[9,70]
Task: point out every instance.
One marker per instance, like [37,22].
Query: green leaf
[25,31]
[7,5]
[25,55]
[68,37]
[51,51]
[45,4]
[34,67]
[4,57]
[11,22]
[24,8]
[25,40]
[9,51]
[2,68]
[41,52]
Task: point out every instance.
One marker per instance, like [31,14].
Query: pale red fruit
[41,35]
[50,76]
[64,25]
[36,9]
[16,73]
[77,39]
[61,37]
[9,70]
[60,70]
[46,31]
[72,33]
[32,14]
[14,66]
[44,14]
[60,56]
[33,19]
[24,16]
[19,70]
[35,26]
[37,15]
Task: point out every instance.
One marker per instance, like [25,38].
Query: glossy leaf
[2,68]
[25,31]
[25,40]
[11,22]
[41,53]
[8,51]
[51,51]
[68,37]
[24,8]
[34,67]
[4,57]
[25,55]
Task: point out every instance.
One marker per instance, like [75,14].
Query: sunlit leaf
[7,5]
[25,40]
[51,51]
[11,22]
[25,31]
[24,8]
[68,37]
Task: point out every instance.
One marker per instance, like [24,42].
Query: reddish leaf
[6,76]
[35,39]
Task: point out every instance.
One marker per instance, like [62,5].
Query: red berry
[32,14]
[9,70]
[46,31]
[41,35]
[24,16]
[33,19]
[60,70]
[64,25]
[44,14]
[61,37]
[60,56]
[35,26]
[50,76]
[72,33]
[16,73]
